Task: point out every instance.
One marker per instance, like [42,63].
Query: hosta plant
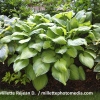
[45,43]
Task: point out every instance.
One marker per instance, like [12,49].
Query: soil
[90,84]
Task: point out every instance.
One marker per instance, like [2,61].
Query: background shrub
[15,8]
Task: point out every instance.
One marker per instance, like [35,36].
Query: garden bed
[90,84]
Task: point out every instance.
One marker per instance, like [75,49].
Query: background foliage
[53,6]
[15,8]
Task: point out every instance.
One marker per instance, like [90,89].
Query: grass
[95,96]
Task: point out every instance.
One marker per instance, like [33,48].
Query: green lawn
[95,96]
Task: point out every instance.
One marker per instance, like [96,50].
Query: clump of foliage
[87,5]
[52,6]
[96,11]
[55,6]
[15,77]
[45,43]
[15,8]
[82,4]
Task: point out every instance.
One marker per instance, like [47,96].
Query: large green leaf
[30,72]
[97,59]
[68,25]
[60,65]
[96,32]
[28,53]
[43,36]
[91,52]
[59,40]
[77,42]
[48,56]
[72,52]
[25,40]
[54,30]
[97,68]
[40,82]
[47,44]
[68,60]
[59,15]
[3,52]
[83,29]
[81,73]
[50,34]
[23,26]
[74,73]
[69,14]
[48,16]
[80,16]
[79,48]
[44,25]
[59,21]
[20,64]
[88,16]
[40,67]
[12,59]
[17,58]
[45,20]
[86,59]
[61,50]
[60,76]
[36,46]
[12,48]
[91,36]
[6,39]
[21,47]
[74,23]
[80,30]
[37,31]
[34,18]
[58,30]
[19,34]
[92,47]
[17,37]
